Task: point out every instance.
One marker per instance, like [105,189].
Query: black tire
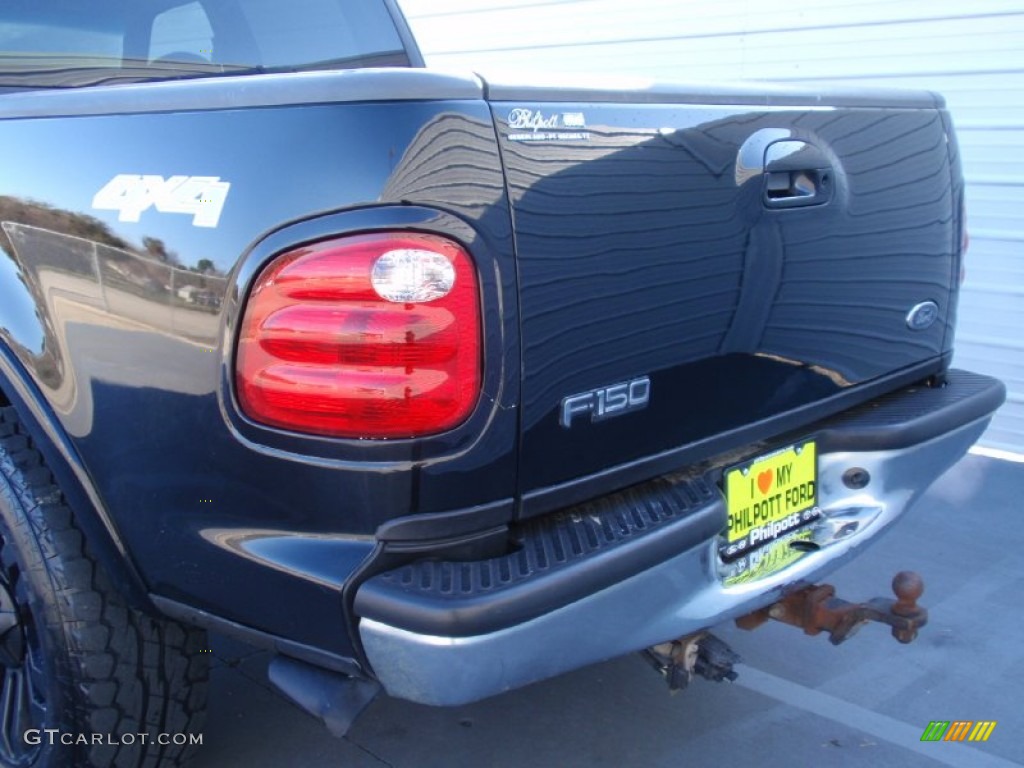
[73,656]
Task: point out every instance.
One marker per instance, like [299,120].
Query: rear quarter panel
[125,328]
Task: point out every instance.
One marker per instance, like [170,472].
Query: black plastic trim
[258,638]
[447,525]
[913,415]
[562,557]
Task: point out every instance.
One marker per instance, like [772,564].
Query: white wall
[973,53]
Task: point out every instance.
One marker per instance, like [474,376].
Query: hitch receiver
[701,654]
[816,609]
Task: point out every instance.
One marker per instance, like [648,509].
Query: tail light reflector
[368,336]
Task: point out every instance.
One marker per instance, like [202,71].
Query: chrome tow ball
[816,609]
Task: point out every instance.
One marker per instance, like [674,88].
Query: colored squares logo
[958,730]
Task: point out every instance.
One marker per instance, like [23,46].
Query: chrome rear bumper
[677,596]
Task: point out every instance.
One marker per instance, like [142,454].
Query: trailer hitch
[816,609]
[698,655]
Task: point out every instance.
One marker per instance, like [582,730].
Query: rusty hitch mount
[816,609]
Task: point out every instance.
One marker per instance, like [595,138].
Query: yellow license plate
[771,497]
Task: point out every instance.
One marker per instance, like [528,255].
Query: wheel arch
[18,391]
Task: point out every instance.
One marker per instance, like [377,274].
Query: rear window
[70,43]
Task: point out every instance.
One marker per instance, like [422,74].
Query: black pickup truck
[437,384]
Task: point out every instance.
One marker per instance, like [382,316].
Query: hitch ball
[908,586]
[817,609]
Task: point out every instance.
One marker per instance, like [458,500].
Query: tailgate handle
[797,173]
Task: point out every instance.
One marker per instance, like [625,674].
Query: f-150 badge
[130,195]
[606,402]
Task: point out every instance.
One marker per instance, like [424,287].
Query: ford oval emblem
[923,316]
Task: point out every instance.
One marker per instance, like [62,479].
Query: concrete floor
[799,701]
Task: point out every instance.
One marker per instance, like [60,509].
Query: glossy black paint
[131,345]
[654,246]
[649,258]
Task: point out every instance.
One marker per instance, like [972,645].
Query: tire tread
[134,672]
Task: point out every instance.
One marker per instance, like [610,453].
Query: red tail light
[370,336]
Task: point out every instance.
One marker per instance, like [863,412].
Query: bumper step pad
[558,558]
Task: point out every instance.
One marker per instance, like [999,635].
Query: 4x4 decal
[201,196]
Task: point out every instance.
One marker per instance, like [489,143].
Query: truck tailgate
[727,263]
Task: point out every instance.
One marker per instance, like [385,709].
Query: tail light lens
[369,336]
